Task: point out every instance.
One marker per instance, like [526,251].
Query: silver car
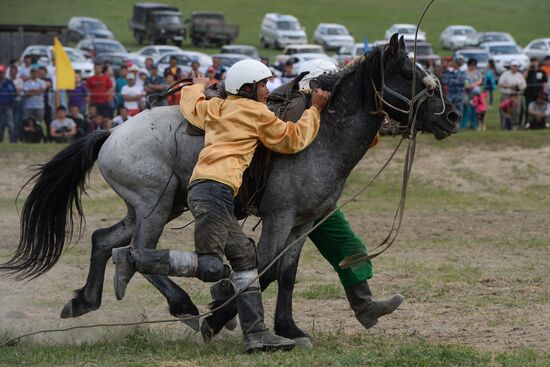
[280,30]
[332,36]
[539,48]
[455,36]
[43,54]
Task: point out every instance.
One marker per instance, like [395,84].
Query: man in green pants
[335,240]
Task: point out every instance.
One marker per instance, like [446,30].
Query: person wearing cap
[7,98]
[512,82]
[233,129]
[538,112]
[34,89]
[195,72]
[154,84]
[132,95]
[536,81]
[101,90]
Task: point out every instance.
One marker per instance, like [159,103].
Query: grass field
[525,20]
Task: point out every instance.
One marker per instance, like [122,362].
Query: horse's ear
[402,43]
[393,46]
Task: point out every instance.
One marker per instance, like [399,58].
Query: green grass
[159,349]
[323,291]
[363,18]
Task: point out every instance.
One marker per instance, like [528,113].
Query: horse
[148,162]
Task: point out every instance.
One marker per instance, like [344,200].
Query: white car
[299,49]
[479,54]
[406,30]
[539,48]
[505,52]
[299,59]
[43,54]
[482,37]
[332,36]
[184,60]
[154,51]
[280,30]
[241,49]
[455,36]
[346,54]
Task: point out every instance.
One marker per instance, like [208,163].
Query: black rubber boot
[251,315]
[367,310]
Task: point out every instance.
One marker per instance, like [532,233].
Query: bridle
[431,84]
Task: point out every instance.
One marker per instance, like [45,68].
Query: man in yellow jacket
[233,127]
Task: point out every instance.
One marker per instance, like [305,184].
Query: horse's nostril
[453,117]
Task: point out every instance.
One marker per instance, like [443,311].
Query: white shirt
[273,84]
[131,92]
[515,79]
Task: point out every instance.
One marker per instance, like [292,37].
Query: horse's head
[392,85]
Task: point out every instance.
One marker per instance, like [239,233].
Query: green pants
[336,240]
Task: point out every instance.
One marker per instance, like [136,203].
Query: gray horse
[148,162]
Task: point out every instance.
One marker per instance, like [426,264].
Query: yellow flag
[64,71]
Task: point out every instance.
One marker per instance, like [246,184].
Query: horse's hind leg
[88,298]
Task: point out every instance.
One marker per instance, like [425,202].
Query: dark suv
[157,23]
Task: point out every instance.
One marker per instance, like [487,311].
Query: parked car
[92,47]
[504,52]
[406,30]
[117,59]
[479,54]
[539,48]
[482,37]
[211,28]
[43,54]
[228,60]
[280,30]
[155,51]
[85,27]
[299,49]
[425,53]
[333,36]
[184,60]
[347,53]
[299,59]
[241,49]
[455,36]
[157,23]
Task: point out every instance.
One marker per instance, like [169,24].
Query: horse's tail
[49,216]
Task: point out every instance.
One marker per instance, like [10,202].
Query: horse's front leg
[286,278]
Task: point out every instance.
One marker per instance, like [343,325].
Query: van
[280,30]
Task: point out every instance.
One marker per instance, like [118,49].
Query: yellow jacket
[233,128]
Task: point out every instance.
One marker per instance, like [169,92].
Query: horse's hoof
[67,311]
[207,332]
[75,308]
[191,320]
[303,342]
[231,324]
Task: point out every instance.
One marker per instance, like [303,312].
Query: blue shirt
[36,100]
[455,81]
[7,92]
[119,84]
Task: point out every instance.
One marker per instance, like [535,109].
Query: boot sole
[270,348]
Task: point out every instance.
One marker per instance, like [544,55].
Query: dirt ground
[477,275]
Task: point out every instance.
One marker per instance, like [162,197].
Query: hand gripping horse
[148,162]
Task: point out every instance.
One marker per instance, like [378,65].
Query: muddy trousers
[336,240]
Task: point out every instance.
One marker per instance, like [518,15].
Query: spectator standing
[512,82]
[453,81]
[490,80]
[149,64]
[546,66]
[120,83]
[154,84]
[79,96]
[538,112]
[195,72]
[274,82]
[479,102]
[173,68]
[536,81]
[25,69]
[132,95]
[220,69]
[122,116]
[473,80]
[142,76]
[49,100]
[507,109]
[173,99]
[62,129]
[83,128]
[18,100]
[288,72]
[7,97]
[101,91]
[34,89]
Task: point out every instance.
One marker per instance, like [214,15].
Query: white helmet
[245,72]
[316,68]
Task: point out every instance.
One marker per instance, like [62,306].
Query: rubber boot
[251,315]
[158,262]
[367,310]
